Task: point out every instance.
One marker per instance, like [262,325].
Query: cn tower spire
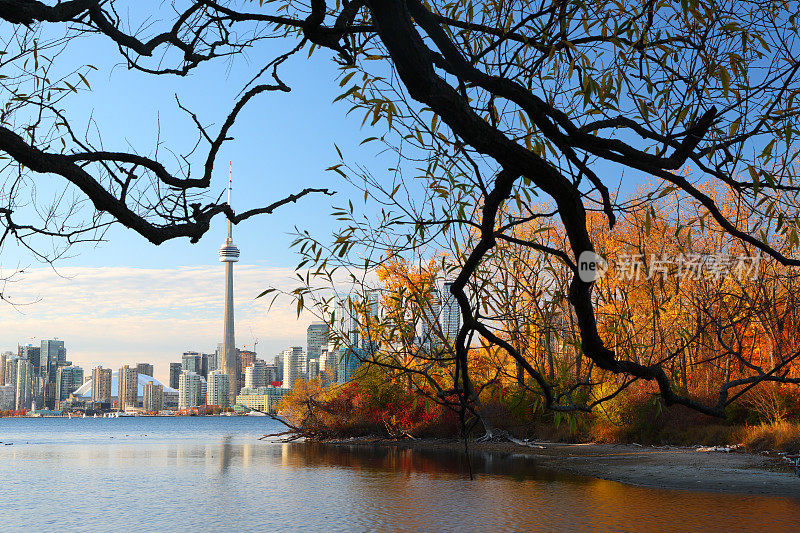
[230,187]
[229,254]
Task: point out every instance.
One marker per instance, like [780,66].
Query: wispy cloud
[119,315]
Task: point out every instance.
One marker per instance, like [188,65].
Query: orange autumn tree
[679,293]
[412,347]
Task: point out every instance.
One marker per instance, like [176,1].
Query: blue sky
[283,142]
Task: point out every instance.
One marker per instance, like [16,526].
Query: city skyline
[118,301]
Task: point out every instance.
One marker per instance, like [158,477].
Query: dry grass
[779,436]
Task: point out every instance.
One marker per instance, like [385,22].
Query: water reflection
[197,479]
[405,461]
[403,489]
[226,455]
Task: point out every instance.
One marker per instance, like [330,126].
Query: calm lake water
[189,474]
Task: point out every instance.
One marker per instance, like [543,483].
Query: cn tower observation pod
[228,252]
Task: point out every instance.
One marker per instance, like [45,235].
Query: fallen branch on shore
[504,436]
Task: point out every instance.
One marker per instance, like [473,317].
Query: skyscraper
[191,390]
[153,397]
[279,366]
[144,368]
[52,352]
[32,354]
[24,382]
[229,254]
[349,360]
[316,339]
[128,384]
[244,358]
[3,357]
[192,362]
[68,380]
[371,321]
[346,324]
[11,371]
[101,384]
[218,389]
[329,362]
[6,397]
[430,320]
[294,365]
[175,374]
[312,369]
[451,314]
[255,375]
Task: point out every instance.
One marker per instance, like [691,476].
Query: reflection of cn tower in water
[229,254]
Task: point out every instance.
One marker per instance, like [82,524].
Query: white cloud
[121,315]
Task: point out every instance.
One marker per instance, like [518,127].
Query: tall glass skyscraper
[430,320]
[316,338]
[68,380]
[451,314]
[52,353]
[175,374]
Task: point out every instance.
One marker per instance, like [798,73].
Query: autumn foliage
[678,292]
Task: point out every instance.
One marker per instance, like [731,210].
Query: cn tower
[229,254]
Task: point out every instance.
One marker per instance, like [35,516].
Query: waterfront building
[7,400]
[153,400]
[68,380]
[85,392]
[144,368]
[229,254]
[128,388]
[191,390]
[264,399]
[218,389]
[294,365]
[170,398]
[255,375]
[3,357]
[259,402]
[101,391]
[45,388]
[22,392]
[174,374]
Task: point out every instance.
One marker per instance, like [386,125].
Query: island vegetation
[710,330]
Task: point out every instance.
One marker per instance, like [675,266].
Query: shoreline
[666,467]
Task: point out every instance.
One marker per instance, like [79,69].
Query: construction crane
[255,342]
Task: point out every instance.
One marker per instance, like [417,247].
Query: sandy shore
[655,467]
